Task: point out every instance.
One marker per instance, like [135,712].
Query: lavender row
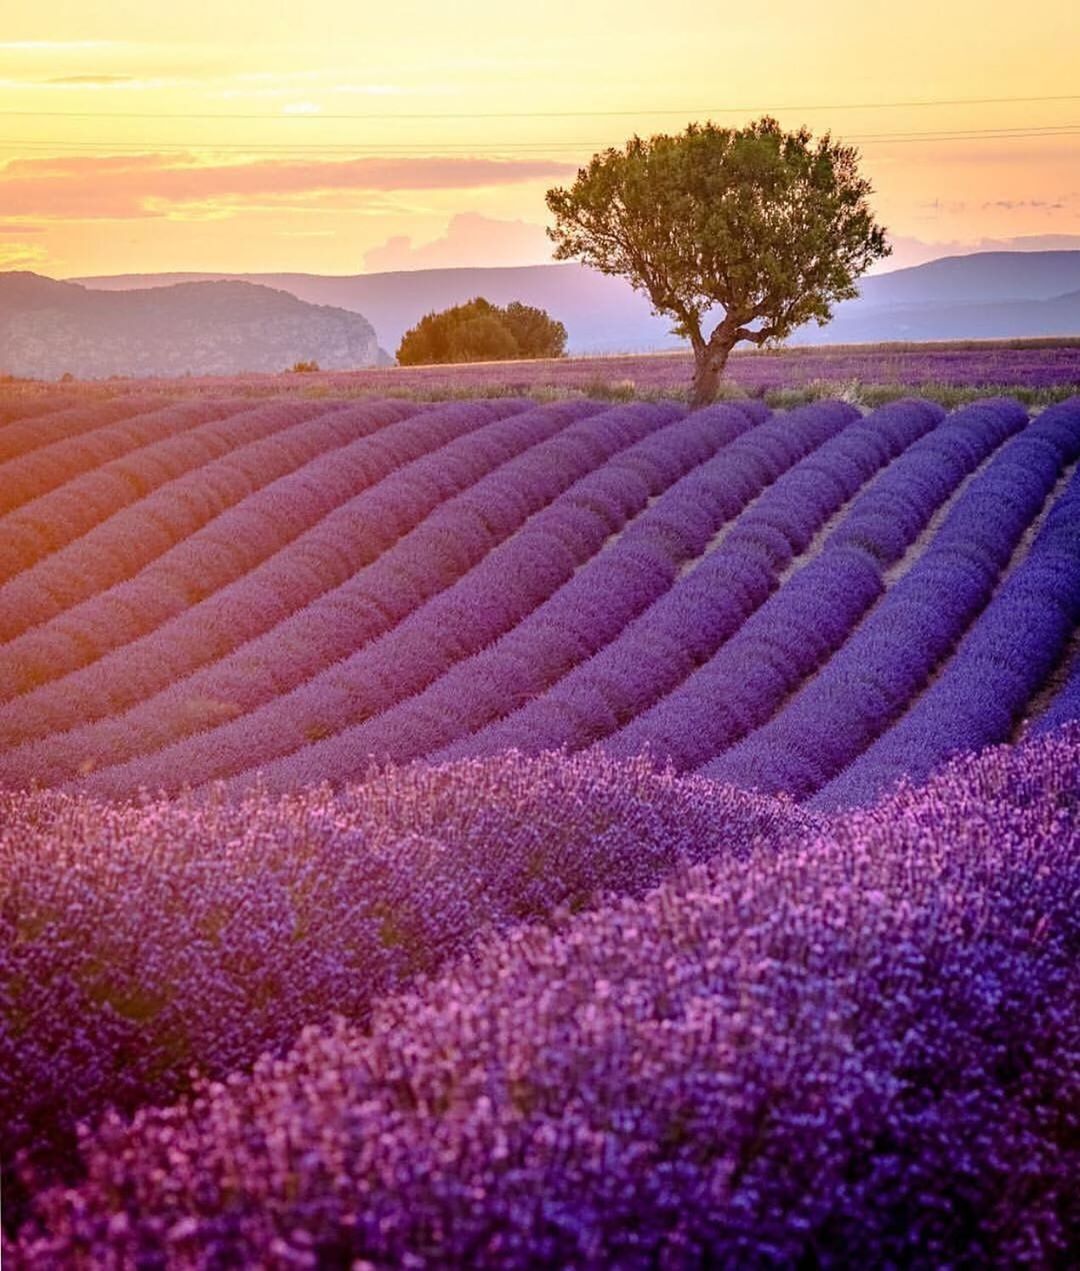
[857,1052]
[52,420]
[501,589]
[980,696]
[783,637]
[630,579]
[18,408]
[137,942]
[1064,706]
[890,516]
[411,467]
[686,626]
[387,434]
[229,627]
[102,528]
[53,495]
[439,645]
[869,683]
[442,548]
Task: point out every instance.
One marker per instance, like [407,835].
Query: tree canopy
[767,225]
[479,331]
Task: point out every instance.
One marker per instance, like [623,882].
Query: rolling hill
[813,602]
[982,295]
[781,900]
[50,328]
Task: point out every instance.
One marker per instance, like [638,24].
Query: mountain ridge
[49,328]
[604,315]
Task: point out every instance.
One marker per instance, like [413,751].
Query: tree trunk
[709,366]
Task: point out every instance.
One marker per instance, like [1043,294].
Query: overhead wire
[384,116]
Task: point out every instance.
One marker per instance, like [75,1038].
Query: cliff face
[48,328]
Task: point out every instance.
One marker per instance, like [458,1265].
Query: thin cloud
[470,239]
[22,256]
[150,185]
[59,46]
[93,81]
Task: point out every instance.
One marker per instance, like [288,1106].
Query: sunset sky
[340,137]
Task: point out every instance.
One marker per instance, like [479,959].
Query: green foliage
[765,224]
[481,339]
[479,331]
[304,368]
[536,334]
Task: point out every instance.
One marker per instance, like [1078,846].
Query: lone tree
[769,225]
[479,331]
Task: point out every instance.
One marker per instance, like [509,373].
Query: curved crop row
[653,654]
[285,664]
[386,435]
[39,424]
[860,1051]
[892,654]
[629,577]
[980,695]
[400,581]
[469,606]
[521,650]
[782,641]
[103,527]
[1064,706]
[136,942]
[279,596]
[56,495]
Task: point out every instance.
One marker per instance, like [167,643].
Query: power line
[463,149]
[538,114]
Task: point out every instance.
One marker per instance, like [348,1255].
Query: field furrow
[894,651]
[543,536]
[227,547]
[472,664]
[102,528]
[1000,664]
[290,590]
[297,590]
[715,594]
[30,426]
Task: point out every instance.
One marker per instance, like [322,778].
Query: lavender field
[503,832]
[1039,370]
[1040,367]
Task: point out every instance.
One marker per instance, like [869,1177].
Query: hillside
[49,328]
[500,968]
[215,588]
[983,295]
[601,314]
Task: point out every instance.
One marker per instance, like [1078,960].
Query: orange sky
[220,136]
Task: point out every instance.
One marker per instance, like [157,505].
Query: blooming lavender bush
[714,595]
[861,1050]
[138,941]
[890,658]
[307,682]
[331,581]
[980,696]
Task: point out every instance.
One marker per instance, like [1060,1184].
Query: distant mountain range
[979,296]
[172,324]
[48,328]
